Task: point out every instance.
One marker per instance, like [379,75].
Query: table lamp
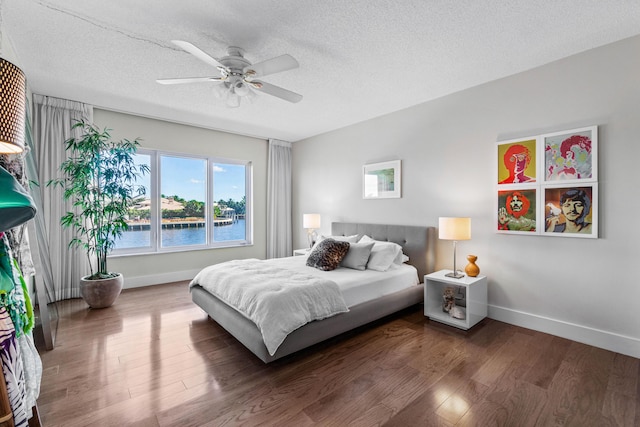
[311,222]
[454,229]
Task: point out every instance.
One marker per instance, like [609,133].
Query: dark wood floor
[154,359]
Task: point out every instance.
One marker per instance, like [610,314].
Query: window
[230,201]
[190,202]
[183,192]
[139,234]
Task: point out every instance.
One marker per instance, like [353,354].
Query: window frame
[155,214]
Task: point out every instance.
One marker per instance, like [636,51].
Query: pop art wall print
[517,211]
[547,184]
[571,156]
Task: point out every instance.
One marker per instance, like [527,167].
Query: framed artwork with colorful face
[517,211]
[571,211]
[571,156]
[548,184]
[517,161]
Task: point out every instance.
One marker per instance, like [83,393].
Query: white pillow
[383,255]
[357,256]
[350,239]
[400,257]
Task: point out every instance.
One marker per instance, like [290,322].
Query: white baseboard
[157,279]
[603,339]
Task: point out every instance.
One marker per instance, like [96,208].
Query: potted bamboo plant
[100,177]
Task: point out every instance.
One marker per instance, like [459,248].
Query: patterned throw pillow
[327,254]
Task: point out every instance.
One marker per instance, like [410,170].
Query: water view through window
[186,215]
[183,190]
[138,235]
[184,236]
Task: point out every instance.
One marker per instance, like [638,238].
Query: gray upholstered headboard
[417,242]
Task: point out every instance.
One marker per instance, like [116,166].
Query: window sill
[124,253]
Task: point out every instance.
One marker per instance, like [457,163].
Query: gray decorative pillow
[327,254]
[357,256]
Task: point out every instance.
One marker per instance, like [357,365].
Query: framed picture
[517,211]
[517,161]
[548,184]
[571,156]
[571,211]
[381,180]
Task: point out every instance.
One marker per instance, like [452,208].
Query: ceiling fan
[237,77]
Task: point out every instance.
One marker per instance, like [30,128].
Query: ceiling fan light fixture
[240,88]
[251,96]
[237,75]
[233,101]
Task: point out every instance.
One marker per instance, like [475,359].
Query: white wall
[140,270]
[584,289]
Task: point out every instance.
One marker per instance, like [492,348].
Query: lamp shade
[12,108]
[454,228]
[311,221]
[16,205]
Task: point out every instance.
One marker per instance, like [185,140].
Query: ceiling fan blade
[201,55]
[274,65]
[276,91]
[188,80]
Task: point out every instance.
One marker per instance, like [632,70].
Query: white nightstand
[471,290]
[304,251]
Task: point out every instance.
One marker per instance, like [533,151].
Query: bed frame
[418,244]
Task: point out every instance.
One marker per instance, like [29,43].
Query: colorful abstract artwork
[548,184]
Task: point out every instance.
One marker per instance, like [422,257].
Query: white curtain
[279,200]
[52,122]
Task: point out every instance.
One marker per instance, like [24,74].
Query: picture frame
[571,210]
[571,156]
[547,184]
[517,210]
[517,161]
[382,180]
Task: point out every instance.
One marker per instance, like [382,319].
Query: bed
[417,243]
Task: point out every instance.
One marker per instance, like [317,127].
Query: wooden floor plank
[154,359]
[522,400]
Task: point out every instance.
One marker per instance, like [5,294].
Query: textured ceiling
[359,59]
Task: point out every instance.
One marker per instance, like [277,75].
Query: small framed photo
[571,211]
[571,156]
[517,211]
[381,180]
[517,163]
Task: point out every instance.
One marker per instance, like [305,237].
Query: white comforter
[277,300]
